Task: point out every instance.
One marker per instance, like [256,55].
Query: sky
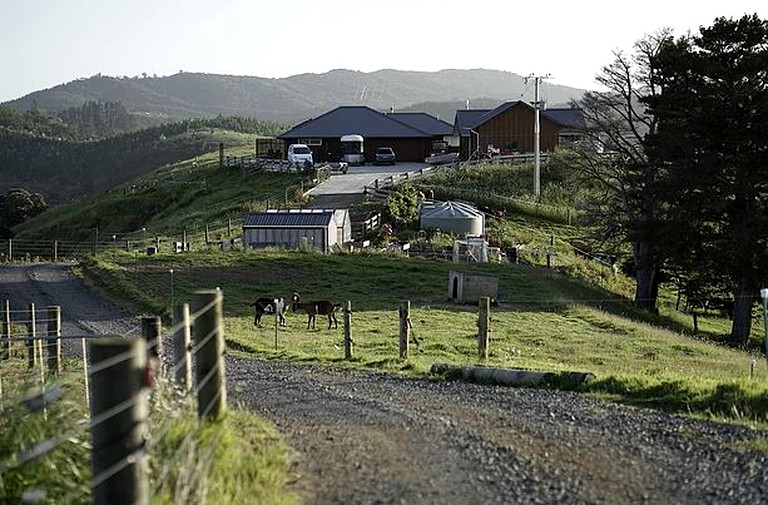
[51,42]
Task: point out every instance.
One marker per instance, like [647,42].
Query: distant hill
[291,99]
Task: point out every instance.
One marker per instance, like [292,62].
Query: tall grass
[223,461]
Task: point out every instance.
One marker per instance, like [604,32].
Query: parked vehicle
[352,149]
[442,158]
[300,156]
[385,156]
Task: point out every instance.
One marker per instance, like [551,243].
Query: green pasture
[547,321]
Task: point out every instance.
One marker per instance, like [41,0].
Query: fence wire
[166,400]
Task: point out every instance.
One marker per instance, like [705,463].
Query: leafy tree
[613,164]
[16,206]
[403,205]
[713,136]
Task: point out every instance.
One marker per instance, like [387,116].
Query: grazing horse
[322,307]
[268,306]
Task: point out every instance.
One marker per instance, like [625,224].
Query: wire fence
[108,409]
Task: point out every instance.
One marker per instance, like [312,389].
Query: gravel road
[370,438]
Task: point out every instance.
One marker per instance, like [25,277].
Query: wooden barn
[295,228]
[508,129]
[410,135]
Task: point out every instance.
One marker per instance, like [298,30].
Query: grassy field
[550,322]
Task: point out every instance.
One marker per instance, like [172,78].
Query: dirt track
[368,438]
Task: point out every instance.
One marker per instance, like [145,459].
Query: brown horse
[313,308]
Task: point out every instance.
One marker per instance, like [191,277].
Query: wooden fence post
[150,330]
[10,249]
[483,327]
[405,328]
[55,251]
[550,251]
[206,234]
[31,334]
[53,344]
[348,330]
[118,421]
[209,361]
[181,339]
[6,344]
[229,227]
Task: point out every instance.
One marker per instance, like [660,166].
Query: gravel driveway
[370,438]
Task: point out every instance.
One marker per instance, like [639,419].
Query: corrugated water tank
[452,217]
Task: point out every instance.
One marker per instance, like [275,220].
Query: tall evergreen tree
[712,133]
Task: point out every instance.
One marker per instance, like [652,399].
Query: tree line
[675,157]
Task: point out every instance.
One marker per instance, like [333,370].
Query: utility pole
[536,133]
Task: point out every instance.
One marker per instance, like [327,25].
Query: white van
[300,155]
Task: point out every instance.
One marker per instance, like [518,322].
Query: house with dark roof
[509,128]
[294,228]
[411,135]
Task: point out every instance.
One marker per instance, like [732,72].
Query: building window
[311,142]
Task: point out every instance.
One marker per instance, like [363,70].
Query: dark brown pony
[313,308]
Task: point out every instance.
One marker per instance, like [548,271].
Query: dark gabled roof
[359,120]
[292,218]
[570,117]
[501,109]
[466,119]
[472,118]
[423,122]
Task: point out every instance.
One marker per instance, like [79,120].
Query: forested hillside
[45,154]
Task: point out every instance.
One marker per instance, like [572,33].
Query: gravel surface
[370,438]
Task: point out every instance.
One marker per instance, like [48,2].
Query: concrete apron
[511,377]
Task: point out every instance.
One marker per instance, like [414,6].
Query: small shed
[452,217]
[470,288]
[293,228]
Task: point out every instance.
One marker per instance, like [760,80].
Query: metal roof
[360,120]
[466,119]
[423,122]
[571,117]
[472,118]
[290,218]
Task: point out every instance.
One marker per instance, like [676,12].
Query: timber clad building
[507,129]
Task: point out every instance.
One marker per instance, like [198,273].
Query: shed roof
[290,218]
[361,120]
